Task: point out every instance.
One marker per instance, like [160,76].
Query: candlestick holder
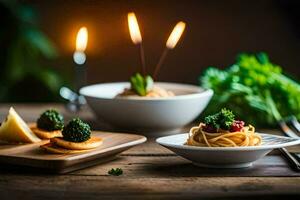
[75,100]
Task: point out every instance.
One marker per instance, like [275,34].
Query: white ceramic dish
[147,114]
[224,157]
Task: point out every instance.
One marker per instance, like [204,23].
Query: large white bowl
[148,114]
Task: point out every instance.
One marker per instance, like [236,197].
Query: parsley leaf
[222,119]
[115,172]
[226,118]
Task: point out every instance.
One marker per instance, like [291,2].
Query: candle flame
[134,29]
[175,35]
[82,38]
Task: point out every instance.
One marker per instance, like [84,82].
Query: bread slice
[52,148]
[43,134]
[91,143]
[15,130]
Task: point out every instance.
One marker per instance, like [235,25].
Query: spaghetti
[223,138]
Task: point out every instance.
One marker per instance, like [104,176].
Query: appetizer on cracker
[49,124]
[76,138]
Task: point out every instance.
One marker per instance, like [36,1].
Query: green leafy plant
[141,85]
[50,120]
[76,131]
[115,172]
[254,88]
[24,50]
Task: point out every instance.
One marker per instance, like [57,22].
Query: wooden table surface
[150,172]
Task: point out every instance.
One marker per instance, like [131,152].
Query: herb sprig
[141,85]
[115,172]
[222,119]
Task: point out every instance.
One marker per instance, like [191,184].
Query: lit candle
[136,38]
[79,57]
[170,44]
[175,35]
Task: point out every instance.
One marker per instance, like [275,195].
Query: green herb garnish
[141,85]
[212,120]
[255,88]
[115,172]
[76,131]
[222,119]
[50,120]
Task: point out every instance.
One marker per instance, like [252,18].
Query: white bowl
[149,114]
[225,157]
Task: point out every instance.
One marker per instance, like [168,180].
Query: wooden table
[150,172]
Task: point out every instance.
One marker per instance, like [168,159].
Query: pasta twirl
[223,138]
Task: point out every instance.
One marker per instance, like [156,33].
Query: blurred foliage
[24,49]
[255,89]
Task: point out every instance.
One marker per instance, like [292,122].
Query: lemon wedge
[14,129]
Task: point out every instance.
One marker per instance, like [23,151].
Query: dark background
[216,32]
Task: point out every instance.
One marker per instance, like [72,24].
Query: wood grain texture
[150,172]
[108,187]
[175,166]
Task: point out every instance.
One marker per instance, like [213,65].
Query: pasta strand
[223,138]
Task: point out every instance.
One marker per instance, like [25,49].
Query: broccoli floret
[50,120]
[222,119]
[76,131]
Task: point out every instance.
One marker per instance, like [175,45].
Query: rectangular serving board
[33,156]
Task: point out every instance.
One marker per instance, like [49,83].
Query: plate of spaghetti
[222,141]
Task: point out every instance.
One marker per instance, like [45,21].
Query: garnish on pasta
[223,130]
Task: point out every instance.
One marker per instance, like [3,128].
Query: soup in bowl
[134,112]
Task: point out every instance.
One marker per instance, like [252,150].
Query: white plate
[225,157]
